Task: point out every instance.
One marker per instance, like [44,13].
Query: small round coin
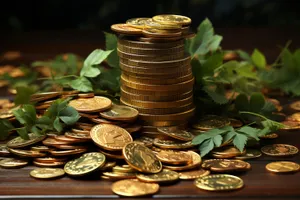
[3,150]
[209,122]
[172,144]
[193,174]
[196,162]
[137,22]
[174,157]
[249,154]
[163,176]
[13,163]
[279,150]
[141,158]
[47,173]
[121,113]
[219,182]
[27,153]
[172,19]
[283,167]
[177,133]
[133,187]
[295,105]
[95,104]
[85,164]
[126,29]
[269,136]
[18,142]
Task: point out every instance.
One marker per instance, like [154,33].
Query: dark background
[32,15]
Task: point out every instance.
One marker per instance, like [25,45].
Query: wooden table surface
[259,183]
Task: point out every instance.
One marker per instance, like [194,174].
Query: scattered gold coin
[295,105]
[13,163]
[172,144]
[174,157]
[120,112]
[225,165]
[123,169]
[137,22]
[249,154]
[196,162]
[26,153]
[209,122]
[172,19]
[163,176]
[282,167]
[18,142]
[269,136]
[95,104]
[126,29]
[193,174]
[226,152]
[47,173]
[120,175]
[177,133]
[279,150]
[3,150]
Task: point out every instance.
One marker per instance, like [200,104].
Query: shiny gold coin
[193,174]
[249,154]
[120,112]
[210,122]
[50,141]
[123,169]
[137,22]
[81,136]
[26,153]
[68,140]
[153,24]
[290,125]
[141,158]
[172,144]
[160,124]
[295,117]
[6,113]
[283,167]
[174,157]
[75,130]
[182,116]
[41,148]
[112,154]
[163,176]
[227,152]
[156,33]
[177,133]
[69,147]
[120,175]
[133,188]
[95,104]
[13,163]
[86,95]
[279,150]
[269,136]
[172,19]
[50,159]
[225,165]
[219,182]
[18,142]
[67,152]
[295,105]
[49,164]
[47,173]
[89,116]
[159,40]
[85,164]
[3,150]
[126,29]
[43,96]
[196,162]
[144,140]
[108,166]
[110,137]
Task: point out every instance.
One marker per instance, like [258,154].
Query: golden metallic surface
[151,51]
[176,132]
[219,182]
[227,152]
[26,153]
[172,144]
[81,136]
[49,164]
[110,137]
[152,24]
[137,22]
[123,169]
[249,154]
[95,104]
[85,164]
[269,136]
[50,159]
[157,33]
[193,174]
[209,122]
[196,162]
[283,167]
[6,113]
[225,165]
[182,116]
[290,125]
[133,188]
[112,154]
[75,130]
[172,19]
[18,142]
[296,116]
[144,140]
[141,158]
[47,173]
[125,29]
[174,157]
[68,140]
[295,105]
[67,152]
[50,141]
[120,175]
[86,95]
[41,148]
[108,166]
[133,128]
[3,150]
[13,163]
[43,96]
[120,112]
[163,176]
[279,150]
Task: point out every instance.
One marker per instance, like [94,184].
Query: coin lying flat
[120,112]
[18,142]
[171,144]
[249,154]
[13,163]
[225,165]
[141,158]
[110,137]
[67,152]
[126,29]
[137,22]
[120,175]
[123,169]
[95,104]
[163,176]
[85,164]
[196,162]
[269,136]
[172,19]
[279,150]
[283,167]
[26,153]
[193,174]
[177,133]
[49,164]
[174,157]
[210,122]
[226,152]
[46,173]
[133,187]
[295,105]
[3,150]
[147,141]
[219,182]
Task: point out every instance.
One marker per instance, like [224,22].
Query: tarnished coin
[210,122]
[295,105]
[174,157]
[283,167]
[95,104]
[196,162]
[219,182]
[13,163]
[141,158]
[137,22]
[126,29]
[193,174]
[3,150]
[177,133]
[110,137]
[133,188]
[47,173]
[279,150]
[269,136]
[121,113]
[18,142]
[163,176]
[26,153]
[172,144]
[85,164]
[249,154]
[172,19]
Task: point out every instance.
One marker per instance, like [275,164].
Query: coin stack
[156,75]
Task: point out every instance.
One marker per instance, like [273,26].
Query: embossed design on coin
[171,144]
[177,133]
[197,173]
[12,163]
[172,19]
[161,177]
[137,22]
[225,165]
[174,157]
[120,112]
[210,122]
[196,162]
[279,150]
[283,167]
[46,173]
[126,29]
[95,104]
[18,142]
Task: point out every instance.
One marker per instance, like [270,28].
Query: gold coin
[133,128]
[235,123]
[43,96]
[49,164]
[18,142]
[110,137]
[193,174]
[133,188]
[163,176]
[46,173]
[120,112]
[172,19]
[151,51]
[108,166]
[159,40]
[172,144]
[126,29]
[13,163]
[209,122]
[219,182]
[89,116]
[159,124]
[6,113]
[82,136]
[3,150]
[196,162]
[225,165]
[283,167]
[51,141]
[141,158]
[75,130]
[26,153]
[177,133]
[295,117]
[119,175]
[227,152]
[156,33]
[86,95]
[112,154]
[50,159]
[123,169]
[269,136]
[41,148]
[67,152]
[152,24]
[68,140]
[174,157]
[69,146]
[95,104]
[279,150]
[137,22]
[295,105]
[147,141]
[170,117]
[290,125]
[249,154]
[85,164]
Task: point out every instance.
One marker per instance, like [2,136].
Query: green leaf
[264,132]
[240,141]
[35,129]
[242,103]
[244,55]
[258,59]
[23,133]
[57,125]
[69,115]
[217,97]
[81,84]
[23,95]
[228,136]
[249,131]
[257,102]
[217,140]
[5,127]
[272,125]
[211,63]
[26,114]
[206,147]
[111,43]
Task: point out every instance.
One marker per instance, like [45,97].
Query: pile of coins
[156,75]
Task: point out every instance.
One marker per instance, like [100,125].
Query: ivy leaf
[5,127]
[23,95]
[217,97]
[241,102]
[206,147]
[240,141]
[244,55]
[26,114]
[57,125]
[258,59]
[111,43]
[257,102]
[228,136]
[23,133]
[69,115]
[208,134]
[272,125]
[217,140]
[249,131]
[81,84]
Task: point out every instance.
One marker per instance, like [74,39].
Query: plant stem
[252,113]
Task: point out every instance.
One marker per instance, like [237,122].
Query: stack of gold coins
[156,75]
